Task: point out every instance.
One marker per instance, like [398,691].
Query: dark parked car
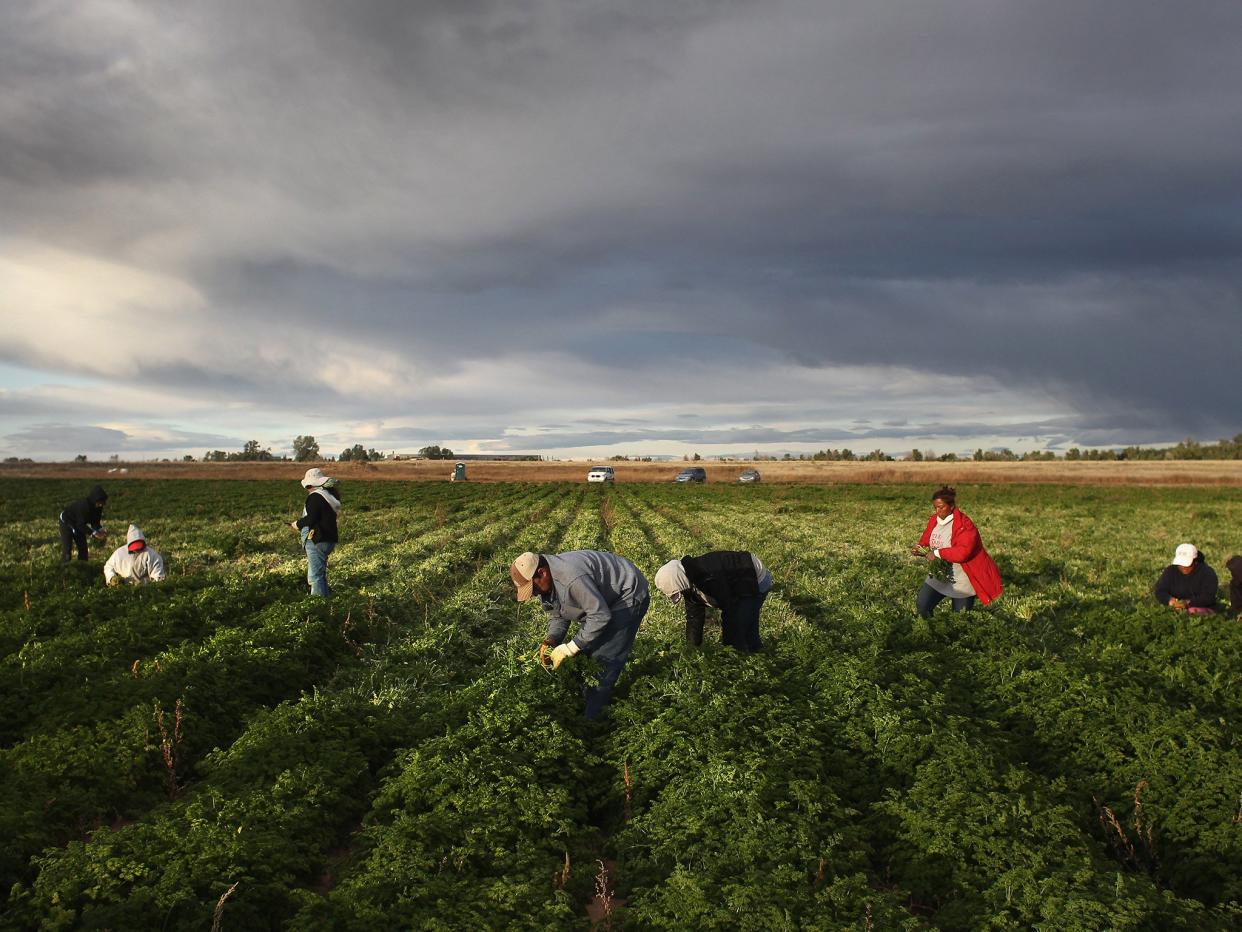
[692,474]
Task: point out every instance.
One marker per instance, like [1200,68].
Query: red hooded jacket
[966,548]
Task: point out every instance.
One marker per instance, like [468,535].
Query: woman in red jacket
[953,537]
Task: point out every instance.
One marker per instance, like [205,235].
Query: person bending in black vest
[734,581]
[81,519]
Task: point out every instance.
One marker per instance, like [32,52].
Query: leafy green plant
[393,756]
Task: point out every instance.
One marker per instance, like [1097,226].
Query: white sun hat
[314,478]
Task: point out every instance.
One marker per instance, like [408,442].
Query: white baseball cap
[1185,554]
[522,572]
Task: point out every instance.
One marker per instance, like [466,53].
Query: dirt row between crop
[1140,473]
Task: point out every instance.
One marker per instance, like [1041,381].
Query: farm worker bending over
[607,596]
[953,537]
[734,581]
[136,562]
[317,527]
[80,518]
[1188,584]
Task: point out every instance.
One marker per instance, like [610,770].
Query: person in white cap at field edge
[1188,584]
[317,527]
[604,593]
[136,562]
[734,581]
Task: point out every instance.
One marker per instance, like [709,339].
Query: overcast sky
[581,228]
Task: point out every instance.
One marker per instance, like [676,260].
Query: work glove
[114,581]
[562,653]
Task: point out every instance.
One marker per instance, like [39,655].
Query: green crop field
[222,750]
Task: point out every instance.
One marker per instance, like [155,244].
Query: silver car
[751,475]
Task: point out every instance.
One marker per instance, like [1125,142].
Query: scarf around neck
[329,498]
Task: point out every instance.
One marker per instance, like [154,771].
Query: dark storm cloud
[71,439]
[1052,433]
[1046,197]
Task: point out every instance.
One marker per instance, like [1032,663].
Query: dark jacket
[320,518]
[724,576]
[85,515]
[1197,587]
[1234,565]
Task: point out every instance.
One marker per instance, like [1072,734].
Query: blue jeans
[317,565]
[618,650]
[597,696]
[929,598]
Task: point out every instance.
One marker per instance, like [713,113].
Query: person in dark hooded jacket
[1188,584]
[734,581]
[1234,565]
[80,519]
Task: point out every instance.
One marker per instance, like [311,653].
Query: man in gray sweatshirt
[604,593]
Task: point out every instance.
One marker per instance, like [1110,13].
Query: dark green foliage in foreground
[392,758]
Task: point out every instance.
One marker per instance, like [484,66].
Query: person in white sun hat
[317,527]
[1188,584]
[605,594]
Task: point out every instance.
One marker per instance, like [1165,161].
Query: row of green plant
[1063,759]
[954,650]
[1128,695]
[206,722]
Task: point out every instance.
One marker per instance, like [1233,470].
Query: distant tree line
[359,454]
[305,449]
[250,453]
[844,455]
[435,452]
[1188,449]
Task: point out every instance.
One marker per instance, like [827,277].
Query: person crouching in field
[605,594]
[1234,565]
[734,581]
[81,519]
[1188,584]
[317,527]
[136,562]
[952,537]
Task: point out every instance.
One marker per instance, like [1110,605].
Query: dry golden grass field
[1155,472]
